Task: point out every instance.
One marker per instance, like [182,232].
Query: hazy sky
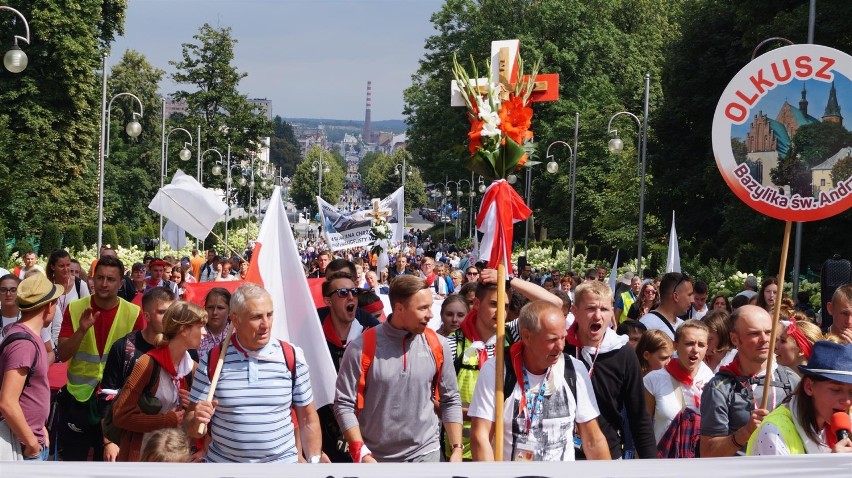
[312,58]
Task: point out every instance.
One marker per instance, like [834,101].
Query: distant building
[174,106]
[264,107]
[821,173]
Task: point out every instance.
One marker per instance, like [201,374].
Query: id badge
[578,442]
[525,448]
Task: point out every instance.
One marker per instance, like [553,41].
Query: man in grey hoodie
[390,416]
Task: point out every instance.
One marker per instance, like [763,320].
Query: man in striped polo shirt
[249,419]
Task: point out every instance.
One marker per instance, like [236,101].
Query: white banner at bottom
[776,467]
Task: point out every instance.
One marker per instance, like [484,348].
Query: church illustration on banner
[769,145]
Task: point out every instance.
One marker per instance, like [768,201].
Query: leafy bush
[73,239]
[22,246]
[123,232]
[50,239]
[110,237]
[90,235]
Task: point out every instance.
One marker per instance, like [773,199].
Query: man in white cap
[25,401]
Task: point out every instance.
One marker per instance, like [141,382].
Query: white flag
[673,256]
[174,235]
[396,203]
[613,273]
[189,205]
[276,266]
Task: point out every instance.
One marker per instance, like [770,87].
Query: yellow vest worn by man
[86,368]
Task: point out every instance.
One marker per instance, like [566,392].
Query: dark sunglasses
[354,292]
[683,278]
[473,273]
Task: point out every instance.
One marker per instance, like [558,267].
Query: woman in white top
[60,272]
[678,385]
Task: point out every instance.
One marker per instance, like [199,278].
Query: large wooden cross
[504,67]
[378,213]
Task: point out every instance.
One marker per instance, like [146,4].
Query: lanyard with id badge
[529,417]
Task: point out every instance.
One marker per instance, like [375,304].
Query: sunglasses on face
[354,292]
[683,278]
[473,273]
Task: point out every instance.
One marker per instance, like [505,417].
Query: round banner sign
[780,138]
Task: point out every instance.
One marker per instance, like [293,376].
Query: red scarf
[516,356]
[573,338]
[164,358]
[734,368]
[676,370]
[468,328]
[331,334]
[430,279]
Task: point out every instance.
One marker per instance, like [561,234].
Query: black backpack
[509,380]
[24,336]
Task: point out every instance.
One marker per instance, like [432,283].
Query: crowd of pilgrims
[656,368]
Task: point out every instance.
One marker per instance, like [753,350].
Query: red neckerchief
[164,358]
[149,284]
[676,370]
[734,368]
[430,279]
[516,356]
[573,338]
[468,328]
[331,334]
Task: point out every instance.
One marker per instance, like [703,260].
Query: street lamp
[553,168]
[320,167]
[217,171]
[459,194]
[15,59]
[133,129]
[184,155]
[616,146]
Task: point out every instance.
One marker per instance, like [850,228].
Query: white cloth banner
[276,265]
[189,205]
[673,255]
[613,273]
[174,235]
[796,466]
[352,229]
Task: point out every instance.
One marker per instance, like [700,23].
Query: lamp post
[616,146]
[184,155]
[15,60]
[319,167]
[133,130]
[553,168]
[217,171]
[459,194]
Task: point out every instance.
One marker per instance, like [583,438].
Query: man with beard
[340,328]
[613,368]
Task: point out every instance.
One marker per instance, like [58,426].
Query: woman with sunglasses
[471,274]
[647,301]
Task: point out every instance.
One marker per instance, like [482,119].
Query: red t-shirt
[102,325]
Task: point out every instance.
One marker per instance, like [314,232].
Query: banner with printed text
[345,229]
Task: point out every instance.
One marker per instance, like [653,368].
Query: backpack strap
[458,359]
[290,360]
[438,353]
[77,286]
[155,376]
[568,372]
[509,377]
[368,352]
[570,375]
[24,336]
[212,358]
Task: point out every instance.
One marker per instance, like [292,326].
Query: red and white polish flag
[501,208]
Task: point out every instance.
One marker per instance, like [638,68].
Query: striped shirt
[252,421]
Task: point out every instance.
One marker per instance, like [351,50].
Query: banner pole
[776,312]
[499,399]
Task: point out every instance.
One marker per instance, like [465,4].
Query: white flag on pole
[174,235]
[276,266]
[613,272]
[673,256]
[189,205]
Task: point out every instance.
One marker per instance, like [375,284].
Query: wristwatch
[314,459]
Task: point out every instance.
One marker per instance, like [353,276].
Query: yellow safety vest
[782,418]
[628,300]
[86,368]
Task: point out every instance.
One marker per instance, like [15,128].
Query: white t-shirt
[555,431]
[653,321]
[660,384]
[7,321]
[62,306]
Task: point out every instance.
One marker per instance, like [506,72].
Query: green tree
[306,180]
[792,171]
[49,112]
[225,115]
[382,179]
[73,238]
[50,238]
[816,142]
[284,149]
[842,170]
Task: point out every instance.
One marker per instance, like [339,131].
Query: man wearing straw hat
[25,402]
[247,402]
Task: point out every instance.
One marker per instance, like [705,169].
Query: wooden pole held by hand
[498,354]
[214,380]
[776,312]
